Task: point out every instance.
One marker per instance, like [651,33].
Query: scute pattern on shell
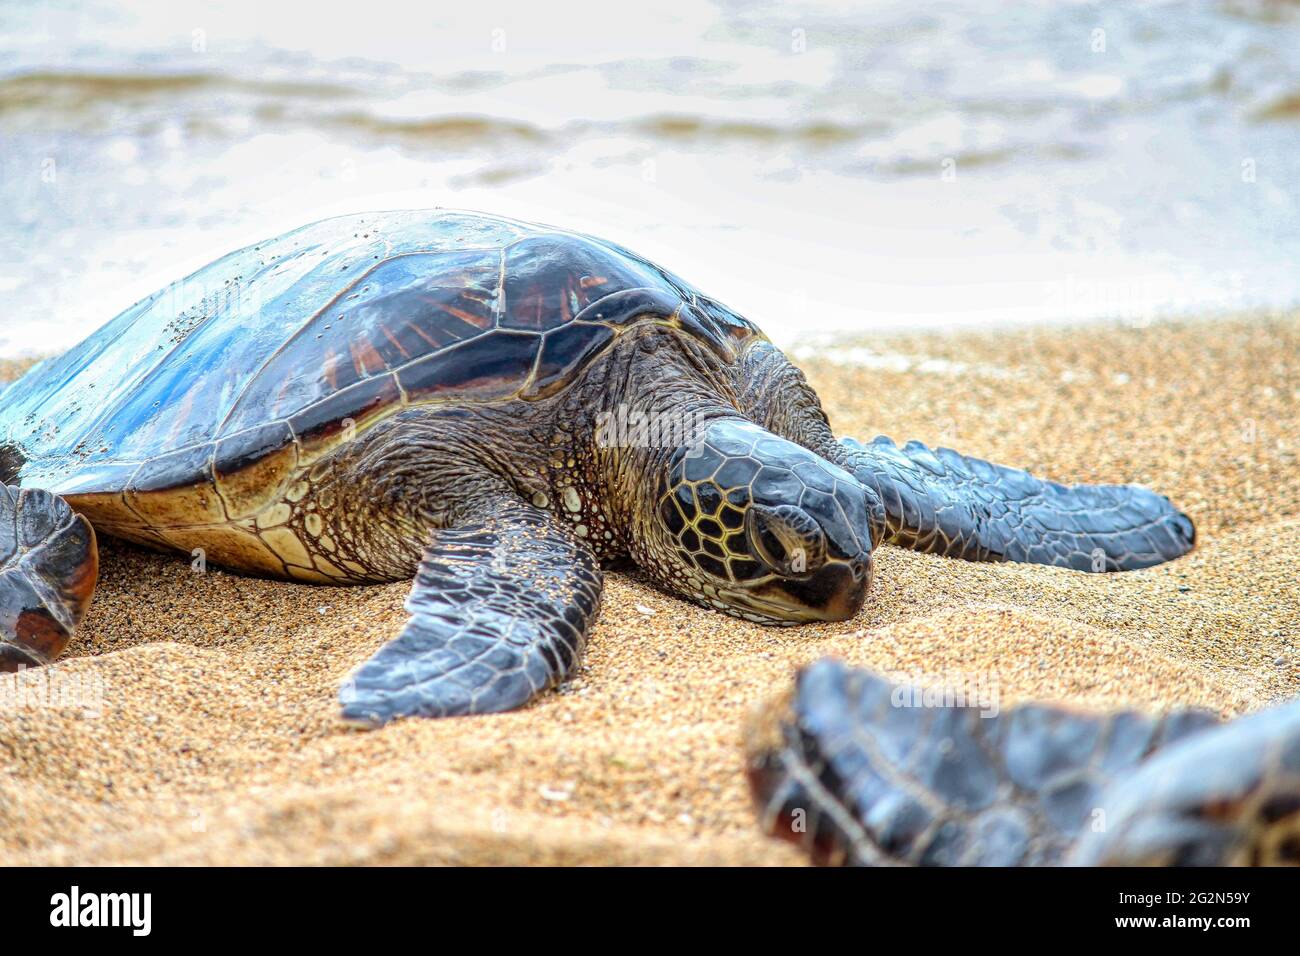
[329,324]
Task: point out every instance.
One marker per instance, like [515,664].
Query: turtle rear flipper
[499,613]
[941,502]
[862,771]
[48,568]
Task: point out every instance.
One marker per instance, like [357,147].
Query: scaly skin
[501,639]
[958,506]
[860,771]
[423,471]
[428,469]
[1229,796]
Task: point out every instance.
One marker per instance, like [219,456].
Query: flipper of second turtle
[499,613]
[858,770]
[48,568]
[1227,797]
[942,502]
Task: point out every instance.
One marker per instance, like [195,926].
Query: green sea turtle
[863,771]
[468,401]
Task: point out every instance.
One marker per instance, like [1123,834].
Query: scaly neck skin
[776,395]
[427,469]
[391,489]
[645,401]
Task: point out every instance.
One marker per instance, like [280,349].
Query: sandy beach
[216,741]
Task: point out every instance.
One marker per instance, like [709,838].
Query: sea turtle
[496,409]
[860,770]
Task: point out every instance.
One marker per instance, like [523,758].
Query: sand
[216,739]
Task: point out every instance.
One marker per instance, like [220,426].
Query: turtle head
[762,528]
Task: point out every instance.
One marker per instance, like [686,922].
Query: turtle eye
[786,539]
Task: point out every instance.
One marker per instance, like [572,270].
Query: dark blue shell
[290,337]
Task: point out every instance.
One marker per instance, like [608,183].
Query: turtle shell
[297,338]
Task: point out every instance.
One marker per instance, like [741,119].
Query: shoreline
[218,742]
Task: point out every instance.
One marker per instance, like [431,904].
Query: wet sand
[217,740]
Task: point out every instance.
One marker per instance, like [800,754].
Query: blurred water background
[826,166]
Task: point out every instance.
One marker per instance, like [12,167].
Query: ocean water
[822,167]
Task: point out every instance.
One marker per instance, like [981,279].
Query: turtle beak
[821,550]
[835,592]
[816,582]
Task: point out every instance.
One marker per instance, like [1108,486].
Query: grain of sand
[216,740]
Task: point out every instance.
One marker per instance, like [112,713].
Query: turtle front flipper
[941,502]
[48,568]
[1229,796]
[499,613]
[862,771]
